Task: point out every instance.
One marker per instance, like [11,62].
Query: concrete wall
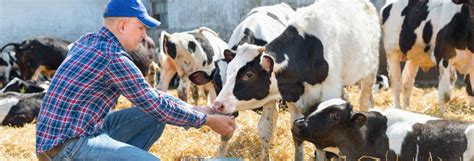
[67,19]
[220,15]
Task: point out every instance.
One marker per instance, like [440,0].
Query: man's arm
[127,77]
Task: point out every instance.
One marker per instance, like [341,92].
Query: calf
[260,26]
[8,66]
[321,51]
[186,52]
[364,135]
[41,55]
[334,124]
[428,34]
[18,109]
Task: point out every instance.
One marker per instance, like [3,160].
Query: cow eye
[248,76]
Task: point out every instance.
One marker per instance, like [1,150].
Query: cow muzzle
[299,125]
[218,107]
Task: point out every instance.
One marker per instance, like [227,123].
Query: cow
[428,34]
[328,45]
[18,109]
[8,67]
[186,52]
[146,59]
[21,86]
[40,55]
[396,136]
[260,26]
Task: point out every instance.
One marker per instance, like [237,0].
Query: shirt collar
[109,35]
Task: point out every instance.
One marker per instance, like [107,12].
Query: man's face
[134,32]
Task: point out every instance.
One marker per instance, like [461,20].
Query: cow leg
[447,76]
[196,92]
[366,98]
[469,80]
[408,80]
[221,151]
[169,69]
[266,127]
[393,61]
[296,114]
[183,89]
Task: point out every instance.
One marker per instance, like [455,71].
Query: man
[74,123]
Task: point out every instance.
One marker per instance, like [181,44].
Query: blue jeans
[126,134]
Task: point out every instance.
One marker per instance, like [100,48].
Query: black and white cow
[428,34]
[21,86]
[18,109]
[41,55]
[8,67]
[364,135]
[260,26]
[186,52]
[328,45]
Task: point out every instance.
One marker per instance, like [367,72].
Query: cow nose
[218,106]
[299,123]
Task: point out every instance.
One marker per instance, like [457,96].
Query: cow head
[324,126]
[178,53]
[27,55]
[250,81]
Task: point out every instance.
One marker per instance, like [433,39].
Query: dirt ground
[18,143]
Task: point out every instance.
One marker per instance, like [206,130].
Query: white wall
[67,19]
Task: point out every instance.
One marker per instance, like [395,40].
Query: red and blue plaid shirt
[88,84]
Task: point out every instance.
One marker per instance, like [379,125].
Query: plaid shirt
[88,84]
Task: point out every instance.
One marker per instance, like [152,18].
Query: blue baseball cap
[130,8]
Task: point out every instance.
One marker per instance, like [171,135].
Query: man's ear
[358,120]
[228,55]
[267,63]
[121,25]
[200,77]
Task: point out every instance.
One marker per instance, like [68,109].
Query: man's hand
[224,125]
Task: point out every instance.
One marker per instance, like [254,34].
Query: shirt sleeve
[165,108]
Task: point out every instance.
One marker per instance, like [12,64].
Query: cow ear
[358,119]
[228,55]
[163,39]
[267,63]
[200,77]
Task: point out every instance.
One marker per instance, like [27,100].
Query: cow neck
[298,60]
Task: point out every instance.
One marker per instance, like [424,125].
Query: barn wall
[67,19]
